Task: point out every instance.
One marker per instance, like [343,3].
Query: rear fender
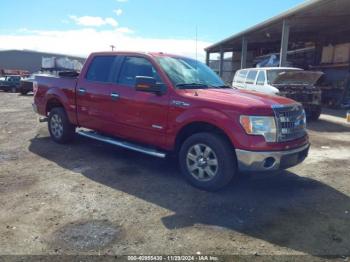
[69,106]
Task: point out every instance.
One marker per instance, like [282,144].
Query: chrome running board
[120,143]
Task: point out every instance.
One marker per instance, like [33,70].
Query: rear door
[93,94]
[142,116]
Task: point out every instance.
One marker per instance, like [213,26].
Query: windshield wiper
[192,85]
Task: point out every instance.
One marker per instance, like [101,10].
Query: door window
[241,76]
[251,77]
[100,69]
[261,78]
[136,66]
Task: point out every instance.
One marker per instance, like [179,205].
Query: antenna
[197,52]
[196,42]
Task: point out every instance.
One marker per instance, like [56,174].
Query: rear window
[251,77]
[100,69]
[241,76]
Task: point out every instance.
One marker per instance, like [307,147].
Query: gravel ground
[92,198]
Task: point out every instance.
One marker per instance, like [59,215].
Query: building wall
[27,60]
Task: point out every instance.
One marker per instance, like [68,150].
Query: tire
[192,156]
[315,114]
[61,130]
[23,92]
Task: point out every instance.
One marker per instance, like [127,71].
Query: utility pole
[112,46]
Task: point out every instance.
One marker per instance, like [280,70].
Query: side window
[100,69]
[240,76]
[136,66]
[251,77]
[261,78]
[236,78]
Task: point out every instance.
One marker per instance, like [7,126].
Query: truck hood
[297,77]
[243,99]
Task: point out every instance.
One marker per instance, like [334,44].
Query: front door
[141,116]
[260,82]
[250,81]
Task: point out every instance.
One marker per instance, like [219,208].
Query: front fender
[203,115]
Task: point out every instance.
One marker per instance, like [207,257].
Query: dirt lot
[93,198]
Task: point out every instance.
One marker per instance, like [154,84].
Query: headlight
[260,125]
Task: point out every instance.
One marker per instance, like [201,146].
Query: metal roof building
[320,22]
[28,60]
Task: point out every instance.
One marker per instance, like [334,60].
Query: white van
[294,83]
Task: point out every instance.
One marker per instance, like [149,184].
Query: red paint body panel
[136,114]
[60,89]
[154,119]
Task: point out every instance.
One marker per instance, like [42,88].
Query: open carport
[301,35]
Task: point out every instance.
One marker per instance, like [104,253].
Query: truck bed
[53,87]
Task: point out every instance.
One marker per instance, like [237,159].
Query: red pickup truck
[159,104]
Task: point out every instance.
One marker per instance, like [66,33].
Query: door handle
[82,91]
[115,96]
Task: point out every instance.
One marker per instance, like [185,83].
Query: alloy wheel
[202,162]
[56,126]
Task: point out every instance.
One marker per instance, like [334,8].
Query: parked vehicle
[293,83]
[159,104]
[10,83]
[26,85]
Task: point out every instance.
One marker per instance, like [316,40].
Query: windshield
[13,78]
[273,74]
[188,73]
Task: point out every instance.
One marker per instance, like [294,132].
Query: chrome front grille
[290,121]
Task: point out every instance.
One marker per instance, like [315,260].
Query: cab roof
[271,68]
[154,54]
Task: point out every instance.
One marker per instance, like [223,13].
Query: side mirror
[148,84]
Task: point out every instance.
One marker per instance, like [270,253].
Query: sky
[79,27]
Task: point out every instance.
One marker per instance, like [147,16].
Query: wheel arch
[199,127]
[53,102]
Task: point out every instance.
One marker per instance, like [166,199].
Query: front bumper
[269,161]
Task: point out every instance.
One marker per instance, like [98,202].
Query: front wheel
[61,130]
[208,161]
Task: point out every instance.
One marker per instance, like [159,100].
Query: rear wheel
[61,130]
[207,161]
